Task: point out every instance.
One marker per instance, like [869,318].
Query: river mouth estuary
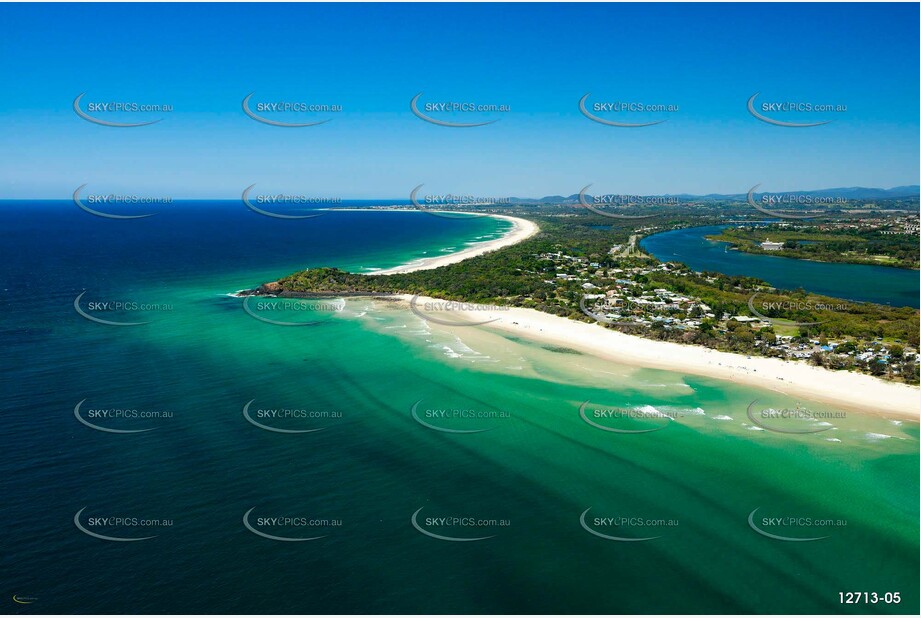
[343,430]
[472,309]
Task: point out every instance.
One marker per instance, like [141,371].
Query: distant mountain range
[854,193]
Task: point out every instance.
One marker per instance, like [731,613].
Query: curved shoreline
[849,390]
[521,229]
[858,392]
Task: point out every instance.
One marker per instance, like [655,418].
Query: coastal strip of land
[847,390]
[521,229]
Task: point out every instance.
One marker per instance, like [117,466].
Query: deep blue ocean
[195,472]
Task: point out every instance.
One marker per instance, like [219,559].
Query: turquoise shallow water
[877,284]
[356,375]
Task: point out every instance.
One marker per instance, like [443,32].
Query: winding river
[877,284]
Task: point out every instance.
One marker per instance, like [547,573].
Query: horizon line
[408,200]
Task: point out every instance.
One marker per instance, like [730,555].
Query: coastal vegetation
[854,243]
[592,261]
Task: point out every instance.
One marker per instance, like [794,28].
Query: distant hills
[853,193]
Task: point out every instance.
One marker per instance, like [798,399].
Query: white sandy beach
[521,229]
[848,390]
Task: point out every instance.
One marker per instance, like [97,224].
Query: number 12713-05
[850,598]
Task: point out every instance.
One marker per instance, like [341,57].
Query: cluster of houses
[628,302]
[889,225]
[903,225]
[617,295]
[625,299]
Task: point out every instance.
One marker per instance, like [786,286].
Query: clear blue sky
[539,59]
